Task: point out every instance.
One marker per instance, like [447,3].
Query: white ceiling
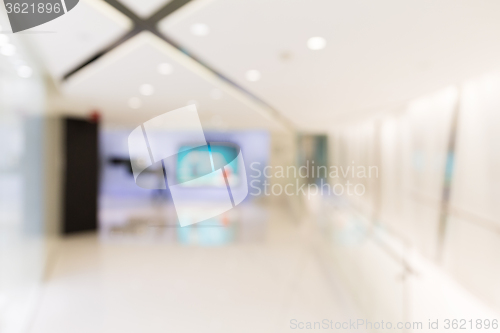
[144,8]
[109,83]
[378,53]
[73,38]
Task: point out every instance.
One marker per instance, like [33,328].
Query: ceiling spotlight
[8,50]
[165,68]
[135,103]
[253,75]
[200,29]
[316,43]
[216,94]
[24,71]
[147,90]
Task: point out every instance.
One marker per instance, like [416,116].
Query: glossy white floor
[257,278]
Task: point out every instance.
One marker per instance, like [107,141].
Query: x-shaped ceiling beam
[139,25]
[150,24]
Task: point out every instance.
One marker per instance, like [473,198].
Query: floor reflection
[156,220]
[253,270]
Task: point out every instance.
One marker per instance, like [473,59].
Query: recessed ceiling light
[165,68]
[147,90]
[316,43]
[253,75]
[216,94]
[8,50]
[24,71]
[135,103]
[200,29]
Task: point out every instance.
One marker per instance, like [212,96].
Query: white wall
[473,234]
[404,253]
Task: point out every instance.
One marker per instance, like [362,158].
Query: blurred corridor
[251,285]
[249,166]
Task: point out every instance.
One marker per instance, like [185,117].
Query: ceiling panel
[144,8]
[146,77]
[378,53]
[67,42]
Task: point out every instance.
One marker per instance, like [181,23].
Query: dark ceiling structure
[150,25]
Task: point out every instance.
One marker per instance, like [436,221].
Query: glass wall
[22,215]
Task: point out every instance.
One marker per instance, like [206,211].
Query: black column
[81,176]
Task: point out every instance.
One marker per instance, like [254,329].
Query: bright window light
[8,50]
[3,40]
